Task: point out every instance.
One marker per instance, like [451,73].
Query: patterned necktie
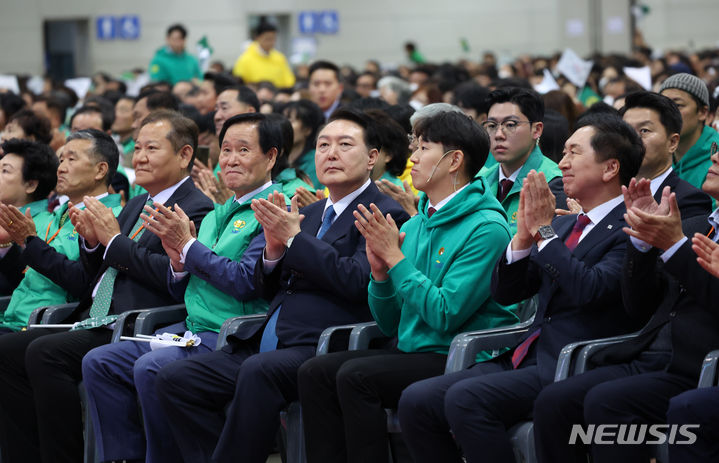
[521,350]
[430,212]
[504,186]
[63,218]
[326,221]
[269,339]
[103,298]
[573,238]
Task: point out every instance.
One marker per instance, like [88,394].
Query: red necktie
[521,350]
[504,186]
[431,211]
[573,238]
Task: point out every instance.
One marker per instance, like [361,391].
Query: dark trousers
[640,399]
[561,405]
[698,406]
[478,404]
[119,377]
[344,396]
[39,396]
[195,391]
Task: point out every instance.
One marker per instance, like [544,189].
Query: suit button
[289,291]
[672,313]
[547,319]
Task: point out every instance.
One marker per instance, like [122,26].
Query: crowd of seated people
[432,200]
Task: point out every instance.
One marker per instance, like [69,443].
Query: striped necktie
[103,297]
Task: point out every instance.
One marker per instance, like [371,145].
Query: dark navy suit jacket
[320,282]
[579,291]
[679,292]
[691,200]
[142,278]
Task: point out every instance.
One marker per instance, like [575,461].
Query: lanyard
[63,218]
[142,227]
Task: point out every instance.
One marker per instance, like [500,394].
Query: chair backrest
[234,324]
[527,308]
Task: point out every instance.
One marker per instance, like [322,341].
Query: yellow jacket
[255,66]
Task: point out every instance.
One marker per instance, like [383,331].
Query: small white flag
[642,76]
[547,84]
[574,68]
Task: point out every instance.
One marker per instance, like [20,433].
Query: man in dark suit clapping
[658,122]
[122,268]
[573,264]
[662,277]
[315,273]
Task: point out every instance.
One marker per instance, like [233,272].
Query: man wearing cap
[691,159]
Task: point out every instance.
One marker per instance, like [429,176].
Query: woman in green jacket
[306,119]
[28,173]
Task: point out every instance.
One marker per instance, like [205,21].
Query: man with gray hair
[697,141]
[432,110]
[87,163]
[123,268]
[394,90]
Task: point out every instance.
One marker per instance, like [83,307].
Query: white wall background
[682,24]
[368,28]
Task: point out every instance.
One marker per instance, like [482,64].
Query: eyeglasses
[508,127]
[714,149]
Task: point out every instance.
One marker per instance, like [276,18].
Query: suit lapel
[564,226]
[604,229]
[133,215]
[671,181]
[698,224]
[313,219]
[177,196]
[345,221]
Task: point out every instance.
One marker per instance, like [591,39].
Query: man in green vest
[214,269]
[692,157]
[514,124]
[87,163]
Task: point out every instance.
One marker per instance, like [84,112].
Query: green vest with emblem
[510,203]
[228,231]
[35,290]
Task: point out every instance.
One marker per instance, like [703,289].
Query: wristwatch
[544,233]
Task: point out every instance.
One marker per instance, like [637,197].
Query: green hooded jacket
[695,163]
[442,286]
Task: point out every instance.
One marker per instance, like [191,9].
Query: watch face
[546,231]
